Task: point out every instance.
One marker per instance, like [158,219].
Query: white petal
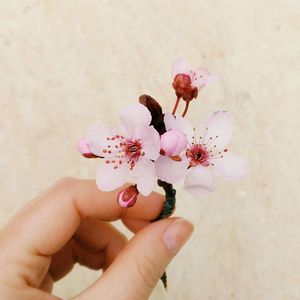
[217,130]
[170,121]
[150,142]
[202,76]
[96,137]
[144,175]
[109,178]
[169,170]
[134,117]
[180,66]
[179,123]
[199,181]
[232,167]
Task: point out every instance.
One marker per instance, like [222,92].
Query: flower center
[198,155]
[203,150]
[120,150]
[132,150]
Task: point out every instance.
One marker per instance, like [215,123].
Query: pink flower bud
[84,149]
[173,142]
[127,197]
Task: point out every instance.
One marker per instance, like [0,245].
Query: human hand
[69,223]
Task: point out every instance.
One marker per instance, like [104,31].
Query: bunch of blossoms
[150,145]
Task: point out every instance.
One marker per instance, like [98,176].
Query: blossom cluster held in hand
[151,145]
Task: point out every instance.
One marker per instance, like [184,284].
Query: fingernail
[177,234]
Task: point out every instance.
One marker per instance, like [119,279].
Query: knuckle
[65,183]
[148,270]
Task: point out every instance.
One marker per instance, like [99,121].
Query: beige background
[67,64]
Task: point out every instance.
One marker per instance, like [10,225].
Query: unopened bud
[84,149]
[127,197]
[173,142]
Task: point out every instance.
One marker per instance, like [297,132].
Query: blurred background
[67,64]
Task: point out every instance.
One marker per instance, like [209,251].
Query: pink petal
[150,142]
[83,146]
[144,175]
[109,178]
[170,122]
[199,181]
[201,77]
[96,137]
[217,130]
[213,78]
[179,123]
[180,66]
[134,117]
[232,167]
[170,170]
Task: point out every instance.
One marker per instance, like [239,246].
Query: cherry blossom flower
[187,82]
[127,153]
[204,157]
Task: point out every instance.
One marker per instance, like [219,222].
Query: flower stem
[176,106]
[187,103]
[169,204]
[168,209]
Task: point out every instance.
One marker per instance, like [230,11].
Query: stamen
[123,150]
[211,140]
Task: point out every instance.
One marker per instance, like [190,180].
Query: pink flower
[187,82]
[205,155]
[127,153]
[173,142]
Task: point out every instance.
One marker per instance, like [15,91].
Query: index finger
[49,221]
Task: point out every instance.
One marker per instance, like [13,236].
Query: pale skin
[70,223]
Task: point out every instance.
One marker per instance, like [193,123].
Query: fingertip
[177,234]
[146,208]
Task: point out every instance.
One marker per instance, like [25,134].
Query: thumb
[137,269]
